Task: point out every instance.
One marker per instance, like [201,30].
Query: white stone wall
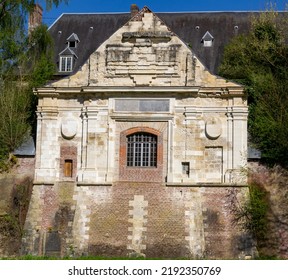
[204,126]
[207,128]
[203,132]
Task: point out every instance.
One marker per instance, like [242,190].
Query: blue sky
[111,6]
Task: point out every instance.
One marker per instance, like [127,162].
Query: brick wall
[68,152]
[147,174]
[25,165]
[138,217]
[163,231]
[177,222]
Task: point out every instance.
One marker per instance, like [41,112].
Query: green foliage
[32,257]
[9,226]
[252,215]
[16,109]
[267,257]
[50,3]
[4,162]
[25,62]
[15,106]
[12,32]
[40,57]
[17,101]
[12,221]
[259,61]
[255,212]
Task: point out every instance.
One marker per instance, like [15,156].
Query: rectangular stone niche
[142,105]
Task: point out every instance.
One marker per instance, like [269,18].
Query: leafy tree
[13,15]
[25,62]
[259,61]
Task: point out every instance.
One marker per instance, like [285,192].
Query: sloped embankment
[15,193]
[275,183]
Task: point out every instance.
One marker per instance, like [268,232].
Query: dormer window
[207,39]
[73,40]
[66,63]
[67,59]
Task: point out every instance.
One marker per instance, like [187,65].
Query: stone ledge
[186,184]
[138,116]
[43,183]
[94,184]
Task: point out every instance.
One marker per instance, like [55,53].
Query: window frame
[64,61]
[207,43]
[141,150]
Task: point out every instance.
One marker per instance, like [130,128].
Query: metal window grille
[142,150]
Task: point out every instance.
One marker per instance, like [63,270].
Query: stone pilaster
[138,219]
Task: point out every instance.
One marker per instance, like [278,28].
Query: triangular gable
[207,37]
[72,38]
[68,51]
[144,52]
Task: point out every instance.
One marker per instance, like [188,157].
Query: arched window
[142,150]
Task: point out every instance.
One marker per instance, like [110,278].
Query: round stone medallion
[213,128]
[69,128]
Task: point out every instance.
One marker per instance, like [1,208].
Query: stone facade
[87,199]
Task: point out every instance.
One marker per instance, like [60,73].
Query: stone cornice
[142,117]
[199,185]
[88,184]
[200,91]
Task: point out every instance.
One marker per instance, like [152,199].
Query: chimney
[134,10]
[35,18]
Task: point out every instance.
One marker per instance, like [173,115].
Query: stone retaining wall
[129,218]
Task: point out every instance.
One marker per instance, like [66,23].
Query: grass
[31,257]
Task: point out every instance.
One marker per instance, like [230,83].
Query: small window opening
[72,44]
[207,43]
[73,40]
[68,167]
[186,168]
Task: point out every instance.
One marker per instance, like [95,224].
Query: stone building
[140,148]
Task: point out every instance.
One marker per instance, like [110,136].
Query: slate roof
[253,153]
[26,149]
[222,26]
[93,29]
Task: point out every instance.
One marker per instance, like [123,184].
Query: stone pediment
[144,52]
